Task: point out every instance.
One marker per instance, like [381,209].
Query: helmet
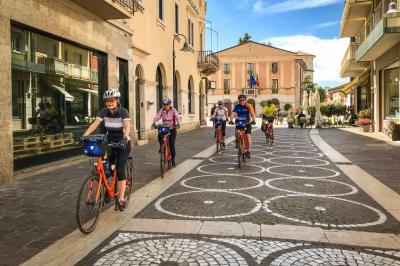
[112,93]
[220,102]
[166,101]
[242,96]
[269,101]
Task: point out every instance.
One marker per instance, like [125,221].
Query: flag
[253,81]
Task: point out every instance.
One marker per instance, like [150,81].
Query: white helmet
[112,93]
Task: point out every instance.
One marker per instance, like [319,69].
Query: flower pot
[366,128]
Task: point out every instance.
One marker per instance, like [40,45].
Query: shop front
[391,92]
[56,86]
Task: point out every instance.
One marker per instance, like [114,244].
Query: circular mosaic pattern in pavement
[298,161]
[279,148]
[172,251]
[230,158]
[339,213]
[302,171]
[254,153]
[331,256]
[287,152]
[230,168]
[222,182]
[320,187]
[226,204]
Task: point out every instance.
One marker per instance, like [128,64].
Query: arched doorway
[138,99]
[159,89]
[176,89]
[190,96]
[202,98]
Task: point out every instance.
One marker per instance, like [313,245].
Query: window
[17,38]
[392,92]
[227,86]
[176,18]
[275,86]
[274,67]
[250,68]
[190,97]
[161,9]
[191,32]
[227,68]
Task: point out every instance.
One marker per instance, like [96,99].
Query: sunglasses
[242,100]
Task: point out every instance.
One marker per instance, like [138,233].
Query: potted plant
[394,131]
[365,123]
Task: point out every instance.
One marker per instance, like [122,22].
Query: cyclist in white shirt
[221,112]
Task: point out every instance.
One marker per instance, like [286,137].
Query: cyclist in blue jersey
[242,110]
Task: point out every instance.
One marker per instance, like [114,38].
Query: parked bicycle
[97,190]
[219,136]
[165,152]
[240,124]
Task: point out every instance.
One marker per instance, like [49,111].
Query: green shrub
[287,106]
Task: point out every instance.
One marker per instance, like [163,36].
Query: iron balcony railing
[378,14]
[251,92]
[131,5]
[349,56]
[208,57]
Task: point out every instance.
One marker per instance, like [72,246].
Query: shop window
[227,86]
[274,67]
[54,100]
[275,86]
[392,91]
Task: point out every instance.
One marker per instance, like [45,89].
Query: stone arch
[191,95]
[176,91]
[161,80]
[139,102]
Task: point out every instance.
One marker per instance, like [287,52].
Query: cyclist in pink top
[169,116]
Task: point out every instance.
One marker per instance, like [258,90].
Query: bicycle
[240,124]
[219,137]
[93,191]
[269,130]
[165,152]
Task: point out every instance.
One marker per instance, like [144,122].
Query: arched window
[159,81]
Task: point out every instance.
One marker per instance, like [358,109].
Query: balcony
[110,9]
[379,34]
[208,63]
[350,67]
[353,18]
[54,65]
[20,61]
[250,92]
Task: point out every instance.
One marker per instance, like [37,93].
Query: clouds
[326,24]
[329,54]
[260,6]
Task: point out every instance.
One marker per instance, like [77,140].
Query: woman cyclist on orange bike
[117,124]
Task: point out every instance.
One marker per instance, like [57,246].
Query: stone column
[6,130]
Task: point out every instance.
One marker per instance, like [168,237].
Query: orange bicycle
[219,136]
[165,152]
[269,129]
[92,194]
[240,124]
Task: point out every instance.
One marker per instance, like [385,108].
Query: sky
[312,26]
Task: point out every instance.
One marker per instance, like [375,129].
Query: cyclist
[269,114]
[117,125]
[169,116]
[243,110]
[221,112]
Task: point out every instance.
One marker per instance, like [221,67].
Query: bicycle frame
[167,153]
[218,134]
[103,179]
[242,139]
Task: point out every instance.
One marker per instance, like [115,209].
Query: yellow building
[61,55]
[373,57]
[279,74]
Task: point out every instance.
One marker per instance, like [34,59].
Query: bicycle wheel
[244,150]
[240,155]
[129,180]
[162,160]
[88,209]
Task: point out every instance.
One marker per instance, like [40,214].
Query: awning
[88,90]
[349,87]
[68,97]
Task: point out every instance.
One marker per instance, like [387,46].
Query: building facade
[61,55]
[372,59]
[277,73]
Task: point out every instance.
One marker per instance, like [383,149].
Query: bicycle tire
[162,160]
[129,180]
[240,155]
[96,209]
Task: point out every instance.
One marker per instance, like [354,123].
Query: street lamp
[186,48]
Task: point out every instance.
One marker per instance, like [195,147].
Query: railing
[94,75]
[252,92]
[54,65]
[373,20]
[131,5]
[349,55]
[208,57]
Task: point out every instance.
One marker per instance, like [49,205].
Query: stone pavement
[377,157]
[38,210]
[289,205]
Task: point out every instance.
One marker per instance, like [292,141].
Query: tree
[322,93]
[246,38]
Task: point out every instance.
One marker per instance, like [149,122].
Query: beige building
[279,74]
[372,60]
[65,53]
